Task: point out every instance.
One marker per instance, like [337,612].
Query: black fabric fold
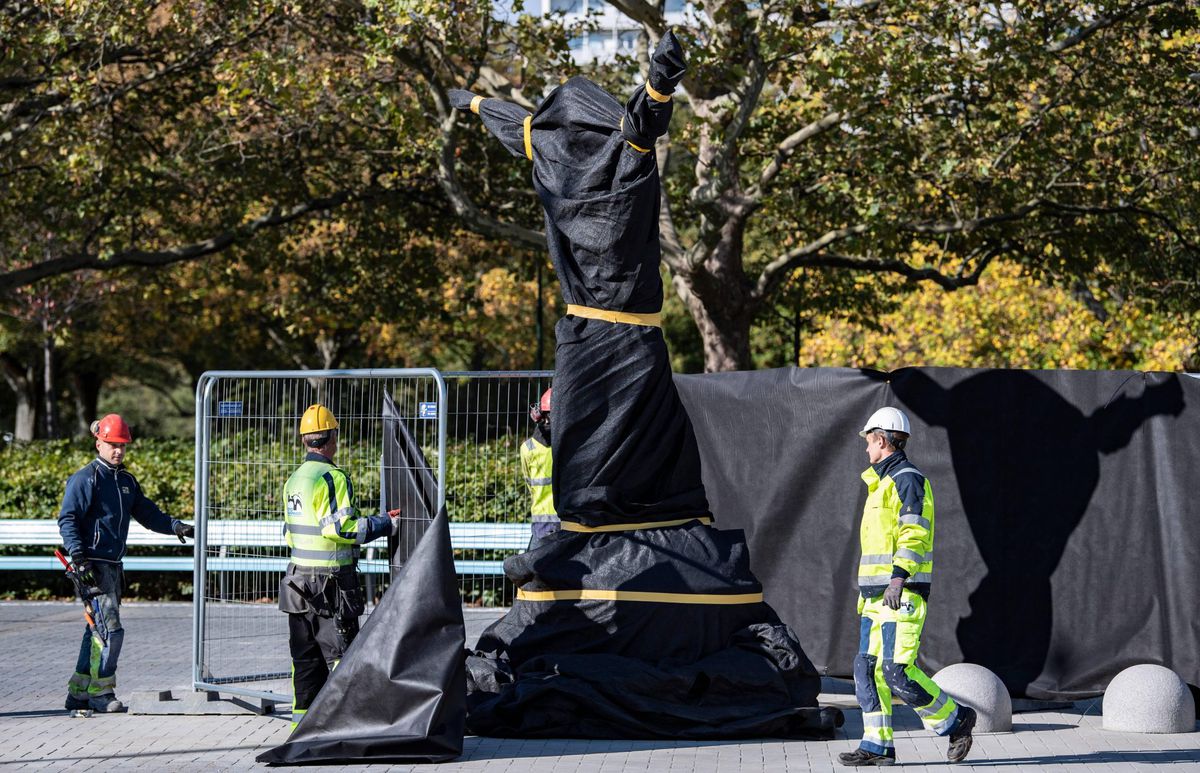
[398,693]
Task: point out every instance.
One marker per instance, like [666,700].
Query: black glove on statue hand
[182,530]
[895,589]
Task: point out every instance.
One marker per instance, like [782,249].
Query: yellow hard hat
[317,418]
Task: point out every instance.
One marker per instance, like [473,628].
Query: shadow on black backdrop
[1027,463]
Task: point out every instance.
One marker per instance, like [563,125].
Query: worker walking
[99,502]
[320,589]
[537,466]
[894,576]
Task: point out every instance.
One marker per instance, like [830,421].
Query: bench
[227,536]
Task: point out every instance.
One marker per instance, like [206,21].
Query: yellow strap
[657,96]
[633,595]
[638,148]
[528,143]
[475,104]
[572,526]
[628,317]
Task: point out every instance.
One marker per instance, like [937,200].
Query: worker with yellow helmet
[320,589]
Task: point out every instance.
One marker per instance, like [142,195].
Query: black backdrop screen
[1066,544]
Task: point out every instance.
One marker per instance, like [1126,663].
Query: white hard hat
[889,419]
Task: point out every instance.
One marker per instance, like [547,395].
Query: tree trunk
[85,388]
[726,337]
[50,408]
[21,380]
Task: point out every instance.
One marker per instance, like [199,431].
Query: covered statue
[640,618]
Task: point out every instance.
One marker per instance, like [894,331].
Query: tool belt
[330,595]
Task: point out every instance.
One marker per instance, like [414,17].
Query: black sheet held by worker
[398,694]
[405,482]
[638,619]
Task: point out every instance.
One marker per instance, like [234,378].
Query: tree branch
[136,257]
[448,180]
[773,273]
[1101,23]
[789,145]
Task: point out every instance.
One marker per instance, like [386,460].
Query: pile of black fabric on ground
[639,619]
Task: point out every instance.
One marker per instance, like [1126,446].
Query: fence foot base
[185,701]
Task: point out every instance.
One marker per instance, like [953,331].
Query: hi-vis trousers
[886,664]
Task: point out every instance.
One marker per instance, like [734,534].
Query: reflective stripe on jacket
[323,527]
[896,534]
[537,466]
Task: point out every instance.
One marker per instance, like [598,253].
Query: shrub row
[484,477]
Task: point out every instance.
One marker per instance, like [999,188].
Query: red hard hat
[541,409]
[112,429]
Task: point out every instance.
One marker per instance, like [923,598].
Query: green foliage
[34,475]
[484,478]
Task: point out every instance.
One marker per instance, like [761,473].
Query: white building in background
[617,33]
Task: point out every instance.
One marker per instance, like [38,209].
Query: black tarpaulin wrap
[405,483]
[644,632]
[1067,543]
[601,667]
[624,451]
[398,694]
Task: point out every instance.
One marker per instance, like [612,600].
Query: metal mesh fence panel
[487,420]
[246,448]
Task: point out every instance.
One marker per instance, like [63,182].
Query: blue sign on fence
[229,408]
[428,411]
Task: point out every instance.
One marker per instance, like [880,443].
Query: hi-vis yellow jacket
[324,528]
[896,534]
[538,467]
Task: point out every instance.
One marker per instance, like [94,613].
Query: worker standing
[894,576]
[94,520]
[320,589]
[537,466]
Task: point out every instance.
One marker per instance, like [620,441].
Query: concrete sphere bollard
[975,686]
[1149,699]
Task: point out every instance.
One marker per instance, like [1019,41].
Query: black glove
[182,530]
[891,596]
[83,568]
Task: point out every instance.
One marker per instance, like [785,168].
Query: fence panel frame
[204,392]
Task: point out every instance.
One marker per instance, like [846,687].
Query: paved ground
[38,642]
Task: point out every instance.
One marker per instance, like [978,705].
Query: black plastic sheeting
[405,482]
[624,451]
[667,636]
[1068,537]
[398,694]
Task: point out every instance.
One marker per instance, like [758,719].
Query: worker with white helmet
[894,575]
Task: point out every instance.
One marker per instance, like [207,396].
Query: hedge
[484,477]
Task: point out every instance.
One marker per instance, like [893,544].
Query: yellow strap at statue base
[626,317]
[579,527]
[633,595]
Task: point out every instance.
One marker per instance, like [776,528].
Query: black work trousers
[316,648]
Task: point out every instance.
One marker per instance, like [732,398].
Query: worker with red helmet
[537,467]
[94,523]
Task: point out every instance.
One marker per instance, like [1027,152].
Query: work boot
[960,739]
[861,757]
[106,704]
[75,704]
